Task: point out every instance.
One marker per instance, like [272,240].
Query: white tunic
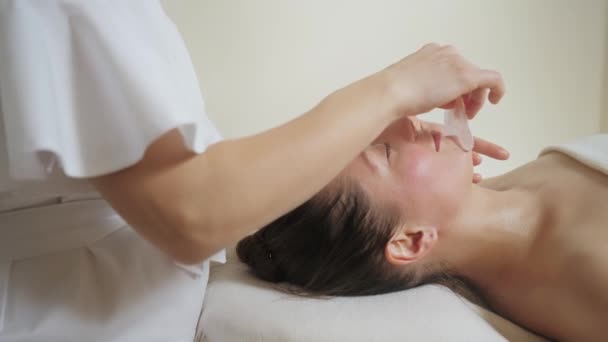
[85,87]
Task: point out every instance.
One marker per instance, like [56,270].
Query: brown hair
[333,245]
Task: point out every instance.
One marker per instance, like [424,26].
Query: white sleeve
[87,85]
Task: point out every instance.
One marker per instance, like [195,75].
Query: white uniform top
[85,87]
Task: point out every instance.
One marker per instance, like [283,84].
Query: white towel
[591,151]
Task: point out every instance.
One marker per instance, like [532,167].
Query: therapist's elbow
[193,238]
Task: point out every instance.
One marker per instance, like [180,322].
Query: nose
[437,136]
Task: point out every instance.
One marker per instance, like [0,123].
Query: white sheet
[591,151]
[240,307]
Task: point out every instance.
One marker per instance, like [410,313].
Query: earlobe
[410,244]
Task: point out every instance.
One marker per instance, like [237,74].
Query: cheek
[433,182]
[420,165]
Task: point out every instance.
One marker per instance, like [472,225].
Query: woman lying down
[532,242]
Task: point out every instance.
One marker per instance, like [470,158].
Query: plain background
[261,63]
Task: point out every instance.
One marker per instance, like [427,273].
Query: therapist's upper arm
[144,195]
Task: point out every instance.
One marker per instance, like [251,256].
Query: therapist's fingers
[475,101]
[476,159]
[450,104]
[489,149]
[484,80]
[481,81]
[477,178]
[490,79]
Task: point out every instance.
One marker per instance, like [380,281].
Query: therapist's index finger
[492,80]
[475,101]
[489,149]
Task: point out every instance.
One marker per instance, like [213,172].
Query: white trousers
[77,272]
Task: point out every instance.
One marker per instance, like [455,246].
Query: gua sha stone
[456,124]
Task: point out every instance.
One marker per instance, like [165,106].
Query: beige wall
[605,93]
[262,62]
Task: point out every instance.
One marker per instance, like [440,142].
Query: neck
[493,235]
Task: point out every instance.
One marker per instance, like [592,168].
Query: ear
[410,244]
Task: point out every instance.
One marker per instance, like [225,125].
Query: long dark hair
[333,244]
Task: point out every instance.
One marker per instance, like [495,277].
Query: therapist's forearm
[237,186]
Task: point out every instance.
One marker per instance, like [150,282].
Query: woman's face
[411,165]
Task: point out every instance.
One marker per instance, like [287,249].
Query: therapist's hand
[484,147]
[435,76]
